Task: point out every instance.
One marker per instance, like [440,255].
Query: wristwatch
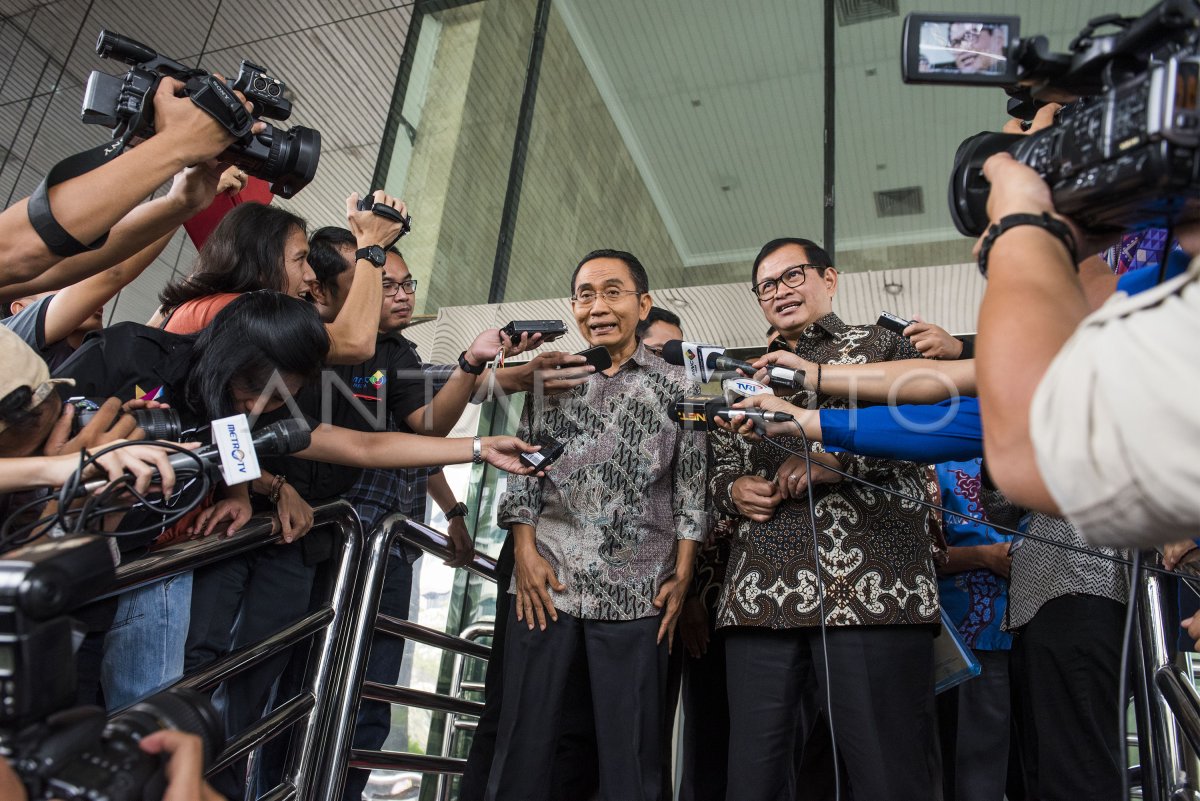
[467,367]
[457,510]
[373,253]
[476,451]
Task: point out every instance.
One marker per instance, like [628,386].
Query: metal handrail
[439,544]
[325,625]
[336,753]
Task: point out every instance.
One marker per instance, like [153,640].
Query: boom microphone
[277,439]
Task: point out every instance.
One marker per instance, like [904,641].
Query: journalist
[605,547]
[1065,432]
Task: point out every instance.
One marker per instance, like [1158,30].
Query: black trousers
[626,672]
[575,773]
[1066,664]
[881,684]
[975,722]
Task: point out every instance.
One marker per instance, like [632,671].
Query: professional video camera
[75,753]
[1124,153]
[286,158]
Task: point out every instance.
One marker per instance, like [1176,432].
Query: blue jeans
[383,666]
[143,651]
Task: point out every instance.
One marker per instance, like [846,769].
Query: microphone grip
[180,462]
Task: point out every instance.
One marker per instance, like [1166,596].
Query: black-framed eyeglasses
[792,276]
[610,296]
[969,37]
[390,288]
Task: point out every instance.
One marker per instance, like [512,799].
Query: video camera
[75,753]
[1125,150]
[287,158]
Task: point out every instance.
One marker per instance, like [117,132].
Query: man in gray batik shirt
[605,546]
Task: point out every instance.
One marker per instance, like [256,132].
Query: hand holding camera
[377,219]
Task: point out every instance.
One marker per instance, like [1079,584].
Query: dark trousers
[235,603]
[975,723]
[627,676]
[574,777]
[705,736]
[882,691]
[1066,663]
[383,666]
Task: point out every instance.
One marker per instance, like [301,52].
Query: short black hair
[640,281]
[815,254]
[658,315]
[15,409]
[325,257]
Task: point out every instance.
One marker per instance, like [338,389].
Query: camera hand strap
[220,103]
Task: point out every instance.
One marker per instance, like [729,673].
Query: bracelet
[818,378]
[1055,228]
[476,451]
[276,489]
[467,367]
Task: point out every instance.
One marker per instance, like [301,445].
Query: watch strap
[1056,228]
[373,253]
[476,451]
[467,367]
[457,510]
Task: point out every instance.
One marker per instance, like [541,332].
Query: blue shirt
[935,432]
[975,600]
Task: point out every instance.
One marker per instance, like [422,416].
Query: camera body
[286,158]
[75,753]
[155,423]
[1124,153]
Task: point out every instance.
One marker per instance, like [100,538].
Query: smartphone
[893,323]
[549,329]
[540,460]
[597,357]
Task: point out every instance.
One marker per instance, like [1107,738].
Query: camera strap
[220,103]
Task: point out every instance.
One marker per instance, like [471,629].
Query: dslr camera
[1124,152]
[74,753]
[155,423]
[286,158]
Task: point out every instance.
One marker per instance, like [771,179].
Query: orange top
[191,317]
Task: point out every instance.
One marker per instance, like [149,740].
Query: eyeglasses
[390,288]
[611,295]
[792,276]
[968,37]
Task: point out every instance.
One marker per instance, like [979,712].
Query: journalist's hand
[1177,553]
[460,542]
[933,341]
[533,573]
[193,134]
[526,342]
[485,347]
[785,358]
[773,403]
[670,599]
[185,768]
[224,517]
[141,462]
[755,497]
[368,227]
[295,515]
[555,371]
[232,180]
[504,453]
[100,430]
[693,627]
[194,188]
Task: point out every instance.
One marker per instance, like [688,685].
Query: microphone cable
[95,506]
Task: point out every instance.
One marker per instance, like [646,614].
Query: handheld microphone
[698,413]
[277,439]
[777,376]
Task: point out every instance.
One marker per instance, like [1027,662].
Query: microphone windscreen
[672,352]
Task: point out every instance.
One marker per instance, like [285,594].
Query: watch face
[374,254]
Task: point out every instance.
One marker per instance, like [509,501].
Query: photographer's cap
[22,367]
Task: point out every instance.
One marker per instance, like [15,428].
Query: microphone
[783,377]
[698,413]
[277,439]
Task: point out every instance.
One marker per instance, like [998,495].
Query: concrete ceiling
[339,61]
[721,106]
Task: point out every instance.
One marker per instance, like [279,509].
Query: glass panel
[451,159]
[680,131]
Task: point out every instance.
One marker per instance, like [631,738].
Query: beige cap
[20,366]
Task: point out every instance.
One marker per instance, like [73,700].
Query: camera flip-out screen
[957,48]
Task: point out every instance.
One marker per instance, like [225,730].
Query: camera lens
[159,423]
[182,709]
